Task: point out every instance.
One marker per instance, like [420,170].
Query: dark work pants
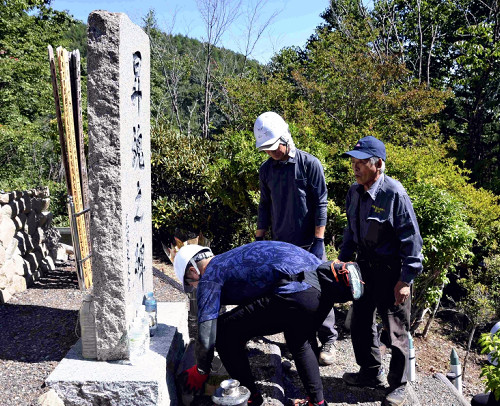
[380,281]
[297,315]
[484,399]
[327,332]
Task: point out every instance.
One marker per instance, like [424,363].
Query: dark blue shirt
[249,272]
[293,198]
[387,228]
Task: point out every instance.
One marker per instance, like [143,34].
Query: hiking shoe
[366,379]
[327,354]
[256,399]
[396,396]
[350,273]
[306,402]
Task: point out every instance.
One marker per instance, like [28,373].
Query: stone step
[78,381]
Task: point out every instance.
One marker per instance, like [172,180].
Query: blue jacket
[388,229]
[249,272]
[293,198]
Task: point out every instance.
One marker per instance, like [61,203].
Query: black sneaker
[365,379]
[396,396]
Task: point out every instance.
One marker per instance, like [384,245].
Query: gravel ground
[38,327]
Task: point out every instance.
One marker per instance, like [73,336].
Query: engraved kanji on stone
[137,152]
[136,91]
[139,213]
[139,261]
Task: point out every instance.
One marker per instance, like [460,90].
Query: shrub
[490,344]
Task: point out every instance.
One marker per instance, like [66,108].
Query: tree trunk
[206,104]
[469,344]
[433,315]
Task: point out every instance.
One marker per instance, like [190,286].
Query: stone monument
[120,204]
[119,175]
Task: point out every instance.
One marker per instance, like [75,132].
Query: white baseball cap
[270,130]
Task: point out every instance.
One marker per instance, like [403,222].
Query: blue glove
[318,248]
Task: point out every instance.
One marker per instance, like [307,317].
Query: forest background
[421,75]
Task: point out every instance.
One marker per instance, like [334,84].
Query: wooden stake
[72,155]
[60,127]
[76,93]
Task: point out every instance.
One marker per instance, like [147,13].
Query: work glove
[318,247]
[195,379]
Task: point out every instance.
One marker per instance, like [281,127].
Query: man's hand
[318,247]
[195,379]
[401,292]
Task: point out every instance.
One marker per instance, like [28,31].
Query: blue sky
[293,25]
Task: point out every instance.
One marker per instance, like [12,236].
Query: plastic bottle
[136,341]
[143,320]
[411,359]
[152,312]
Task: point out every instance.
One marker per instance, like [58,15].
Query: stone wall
[24,252]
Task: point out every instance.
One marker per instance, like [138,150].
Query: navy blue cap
[366,148]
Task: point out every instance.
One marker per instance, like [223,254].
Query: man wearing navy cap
[383,232]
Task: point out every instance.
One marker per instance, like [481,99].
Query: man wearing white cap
[278,287]
[293,200]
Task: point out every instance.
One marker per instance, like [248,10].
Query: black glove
[261,238]
[318,247]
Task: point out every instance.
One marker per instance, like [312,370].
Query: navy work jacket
[293,198]
[382,227]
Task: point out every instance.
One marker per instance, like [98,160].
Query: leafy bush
[447,241]
[430,163]
[179,181]
[28,157]
[489,274]
[490,344]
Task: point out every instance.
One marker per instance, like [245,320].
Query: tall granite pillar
[119,175]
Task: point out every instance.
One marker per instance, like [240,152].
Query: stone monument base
[78,381]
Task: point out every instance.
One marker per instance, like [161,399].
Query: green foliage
[431,164]
[205,185]
[26,93]
[28,157]
[76,38]
[233,173]
[447,240]
[489,274]
[29,141]
[178,68]
[180,176]
[451,45]
[477,303]
[490,344]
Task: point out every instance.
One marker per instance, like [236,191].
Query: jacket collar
[374,189]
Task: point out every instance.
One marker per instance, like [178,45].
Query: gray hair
[374,161]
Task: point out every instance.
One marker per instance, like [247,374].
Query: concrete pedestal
[151,382]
